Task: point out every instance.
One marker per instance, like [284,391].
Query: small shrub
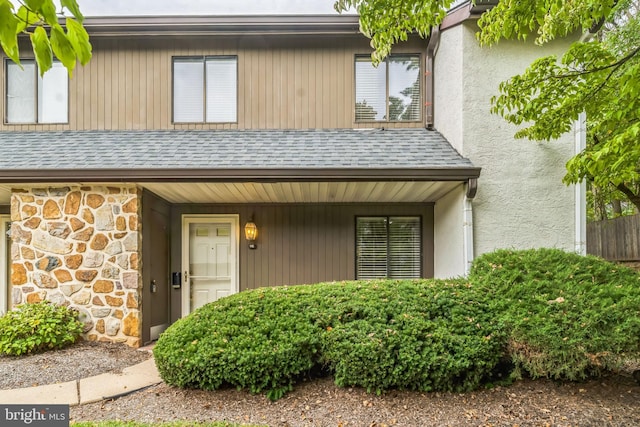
[36,327]
[568,316]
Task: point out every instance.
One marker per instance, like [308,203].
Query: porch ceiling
[281,192]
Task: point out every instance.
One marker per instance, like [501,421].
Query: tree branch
[633,197]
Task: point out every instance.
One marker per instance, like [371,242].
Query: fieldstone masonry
[80,246]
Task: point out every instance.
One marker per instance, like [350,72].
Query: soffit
[280,192]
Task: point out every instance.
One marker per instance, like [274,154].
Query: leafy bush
[568,316]
[259,340]
[544,313]
[37,327]
[418,335]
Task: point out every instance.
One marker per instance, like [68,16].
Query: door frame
[187,220]
[4,264]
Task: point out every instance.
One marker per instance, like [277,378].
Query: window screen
[388,247]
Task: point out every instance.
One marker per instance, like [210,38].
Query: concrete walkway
[87,390]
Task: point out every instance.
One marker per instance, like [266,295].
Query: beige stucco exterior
[521,201]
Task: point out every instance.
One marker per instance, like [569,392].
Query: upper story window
[205,89]
[390,92]
[388,247]
[35,99]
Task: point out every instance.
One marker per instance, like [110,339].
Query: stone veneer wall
[80,246]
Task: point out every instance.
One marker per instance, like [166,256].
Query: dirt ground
[610,401]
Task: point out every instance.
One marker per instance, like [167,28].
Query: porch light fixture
[251,233]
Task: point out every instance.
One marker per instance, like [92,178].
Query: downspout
[581,188]
[467,224]
[432,47]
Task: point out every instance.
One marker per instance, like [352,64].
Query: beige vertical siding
[283,82]
[302,244]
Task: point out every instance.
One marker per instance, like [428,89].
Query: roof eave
[238,175]
[232,24]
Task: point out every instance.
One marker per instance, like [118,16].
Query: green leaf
[34,5]
[42,49]
[63,49]
[8,31]
[79,39]
[26,18]
[72,5]
[48,11]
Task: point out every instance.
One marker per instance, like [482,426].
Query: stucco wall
[79,246]
[448,234]
[521,200]
[447,91]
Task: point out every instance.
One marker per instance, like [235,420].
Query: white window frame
[385,63]
[204,60]
[38,94]
[388,219]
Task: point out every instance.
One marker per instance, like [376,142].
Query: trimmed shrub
[37,327]
[418,335]
[568,316]
[258,340]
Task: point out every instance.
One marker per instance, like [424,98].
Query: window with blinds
[205,89]
[389,92]
[388,247]
[32,98]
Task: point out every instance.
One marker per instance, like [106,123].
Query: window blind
[222,91]
[53,90]
[188,90]
[404,247]
[390,92]
[21,92]
[388,247]
[371,92]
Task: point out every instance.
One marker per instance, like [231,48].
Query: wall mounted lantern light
[251,233]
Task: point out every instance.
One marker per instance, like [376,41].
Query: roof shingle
[230,149]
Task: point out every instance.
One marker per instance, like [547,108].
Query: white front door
[4,263]
[210,259]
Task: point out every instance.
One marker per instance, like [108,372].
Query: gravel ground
[81,360]
[609,401]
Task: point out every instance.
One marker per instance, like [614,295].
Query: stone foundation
[80,246]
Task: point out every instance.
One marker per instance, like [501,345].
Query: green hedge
[417,335]
[568,316]
[542,313]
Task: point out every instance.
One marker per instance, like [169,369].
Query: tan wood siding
[302,243]
[283,82]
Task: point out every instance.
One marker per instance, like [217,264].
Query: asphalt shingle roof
[229,149]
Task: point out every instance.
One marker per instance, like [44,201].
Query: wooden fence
[615,239]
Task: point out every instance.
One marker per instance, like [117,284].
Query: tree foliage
[40,20]
[600,77]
